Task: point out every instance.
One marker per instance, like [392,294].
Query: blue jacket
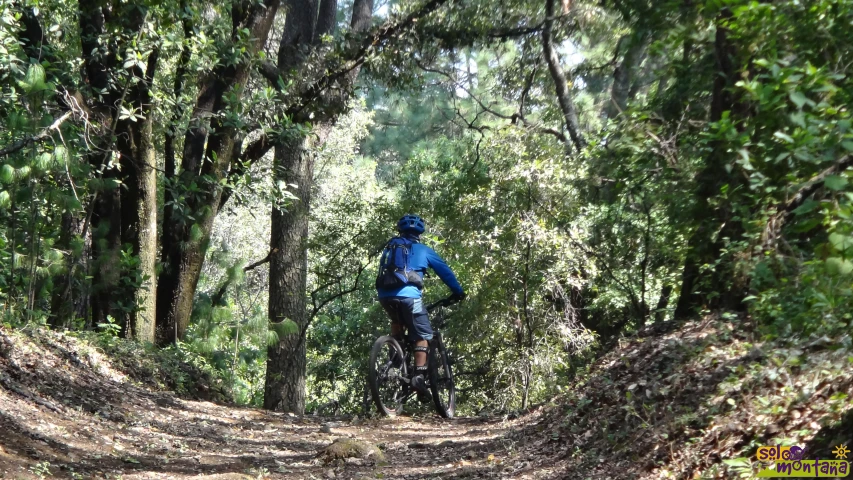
[422,258]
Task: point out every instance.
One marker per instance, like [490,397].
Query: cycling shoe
[419,384]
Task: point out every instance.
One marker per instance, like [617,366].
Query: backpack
[394,269]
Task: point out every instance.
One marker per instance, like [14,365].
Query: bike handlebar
[444,302]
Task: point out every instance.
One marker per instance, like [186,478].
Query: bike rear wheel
[441,379]
[386,371]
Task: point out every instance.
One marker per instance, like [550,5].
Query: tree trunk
[139,205]
[106,248]
[714,289]
[208,151]
[141,210]
[106,210]
[288,277]
[125,210]
[299,35]
[65,305]
[188,247]
[625,74]
[284,387]
[326,19]
[663,302]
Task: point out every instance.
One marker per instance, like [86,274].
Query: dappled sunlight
[630,223]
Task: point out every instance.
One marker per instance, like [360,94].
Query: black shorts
[410,313]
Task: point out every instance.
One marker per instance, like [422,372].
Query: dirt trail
[674,401]
[65,414]
[156,436]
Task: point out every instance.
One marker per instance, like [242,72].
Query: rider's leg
[422,334]
[397,331]
[394,308]
[420,374]
[421,355]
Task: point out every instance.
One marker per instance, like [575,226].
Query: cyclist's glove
[458,297]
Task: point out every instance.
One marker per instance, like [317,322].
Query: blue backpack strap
[383,257]
[401,258]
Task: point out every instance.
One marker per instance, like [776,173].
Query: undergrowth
[175,368]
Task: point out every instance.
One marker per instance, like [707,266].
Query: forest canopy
[220,178]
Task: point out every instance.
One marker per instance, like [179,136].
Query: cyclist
[404,304]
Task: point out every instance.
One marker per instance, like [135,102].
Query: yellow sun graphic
[841,451]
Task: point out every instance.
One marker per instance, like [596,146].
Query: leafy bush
[174,368]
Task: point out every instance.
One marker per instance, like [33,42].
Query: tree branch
[39,137]
[316,309]
[625,72]
[339,294]
[515,32]
[180,74]
[564,97]
[528,84]
[466,37]
[216,299]
[815,183]
[592,254]
[240,164]
[371,42]
[515,117]
[786,209]
[269,71]
[260,262]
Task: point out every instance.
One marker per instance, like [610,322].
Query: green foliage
[799,128]
[560,251]
[41,469]
[527,227]
[109,330]
[39,182]
[233,345]
[176,368]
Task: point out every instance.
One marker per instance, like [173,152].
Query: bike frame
[438,322]
[401,385]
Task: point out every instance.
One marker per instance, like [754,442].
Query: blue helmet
[411,224]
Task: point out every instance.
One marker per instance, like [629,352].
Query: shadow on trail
[64,458]
[634,414]
[831,436]
[636,404]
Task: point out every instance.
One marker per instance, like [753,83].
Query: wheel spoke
[388,391]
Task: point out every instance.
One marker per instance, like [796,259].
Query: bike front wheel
[385,376]
[441,380]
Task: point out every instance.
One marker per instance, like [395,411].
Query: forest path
[672,402]
[65,413]
[149,435]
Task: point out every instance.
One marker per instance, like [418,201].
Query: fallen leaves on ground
[672,402]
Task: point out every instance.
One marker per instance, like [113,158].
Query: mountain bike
[391,367]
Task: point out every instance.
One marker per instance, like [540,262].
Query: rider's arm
[444,272]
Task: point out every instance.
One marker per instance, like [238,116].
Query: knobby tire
[441,380]
[377,378]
